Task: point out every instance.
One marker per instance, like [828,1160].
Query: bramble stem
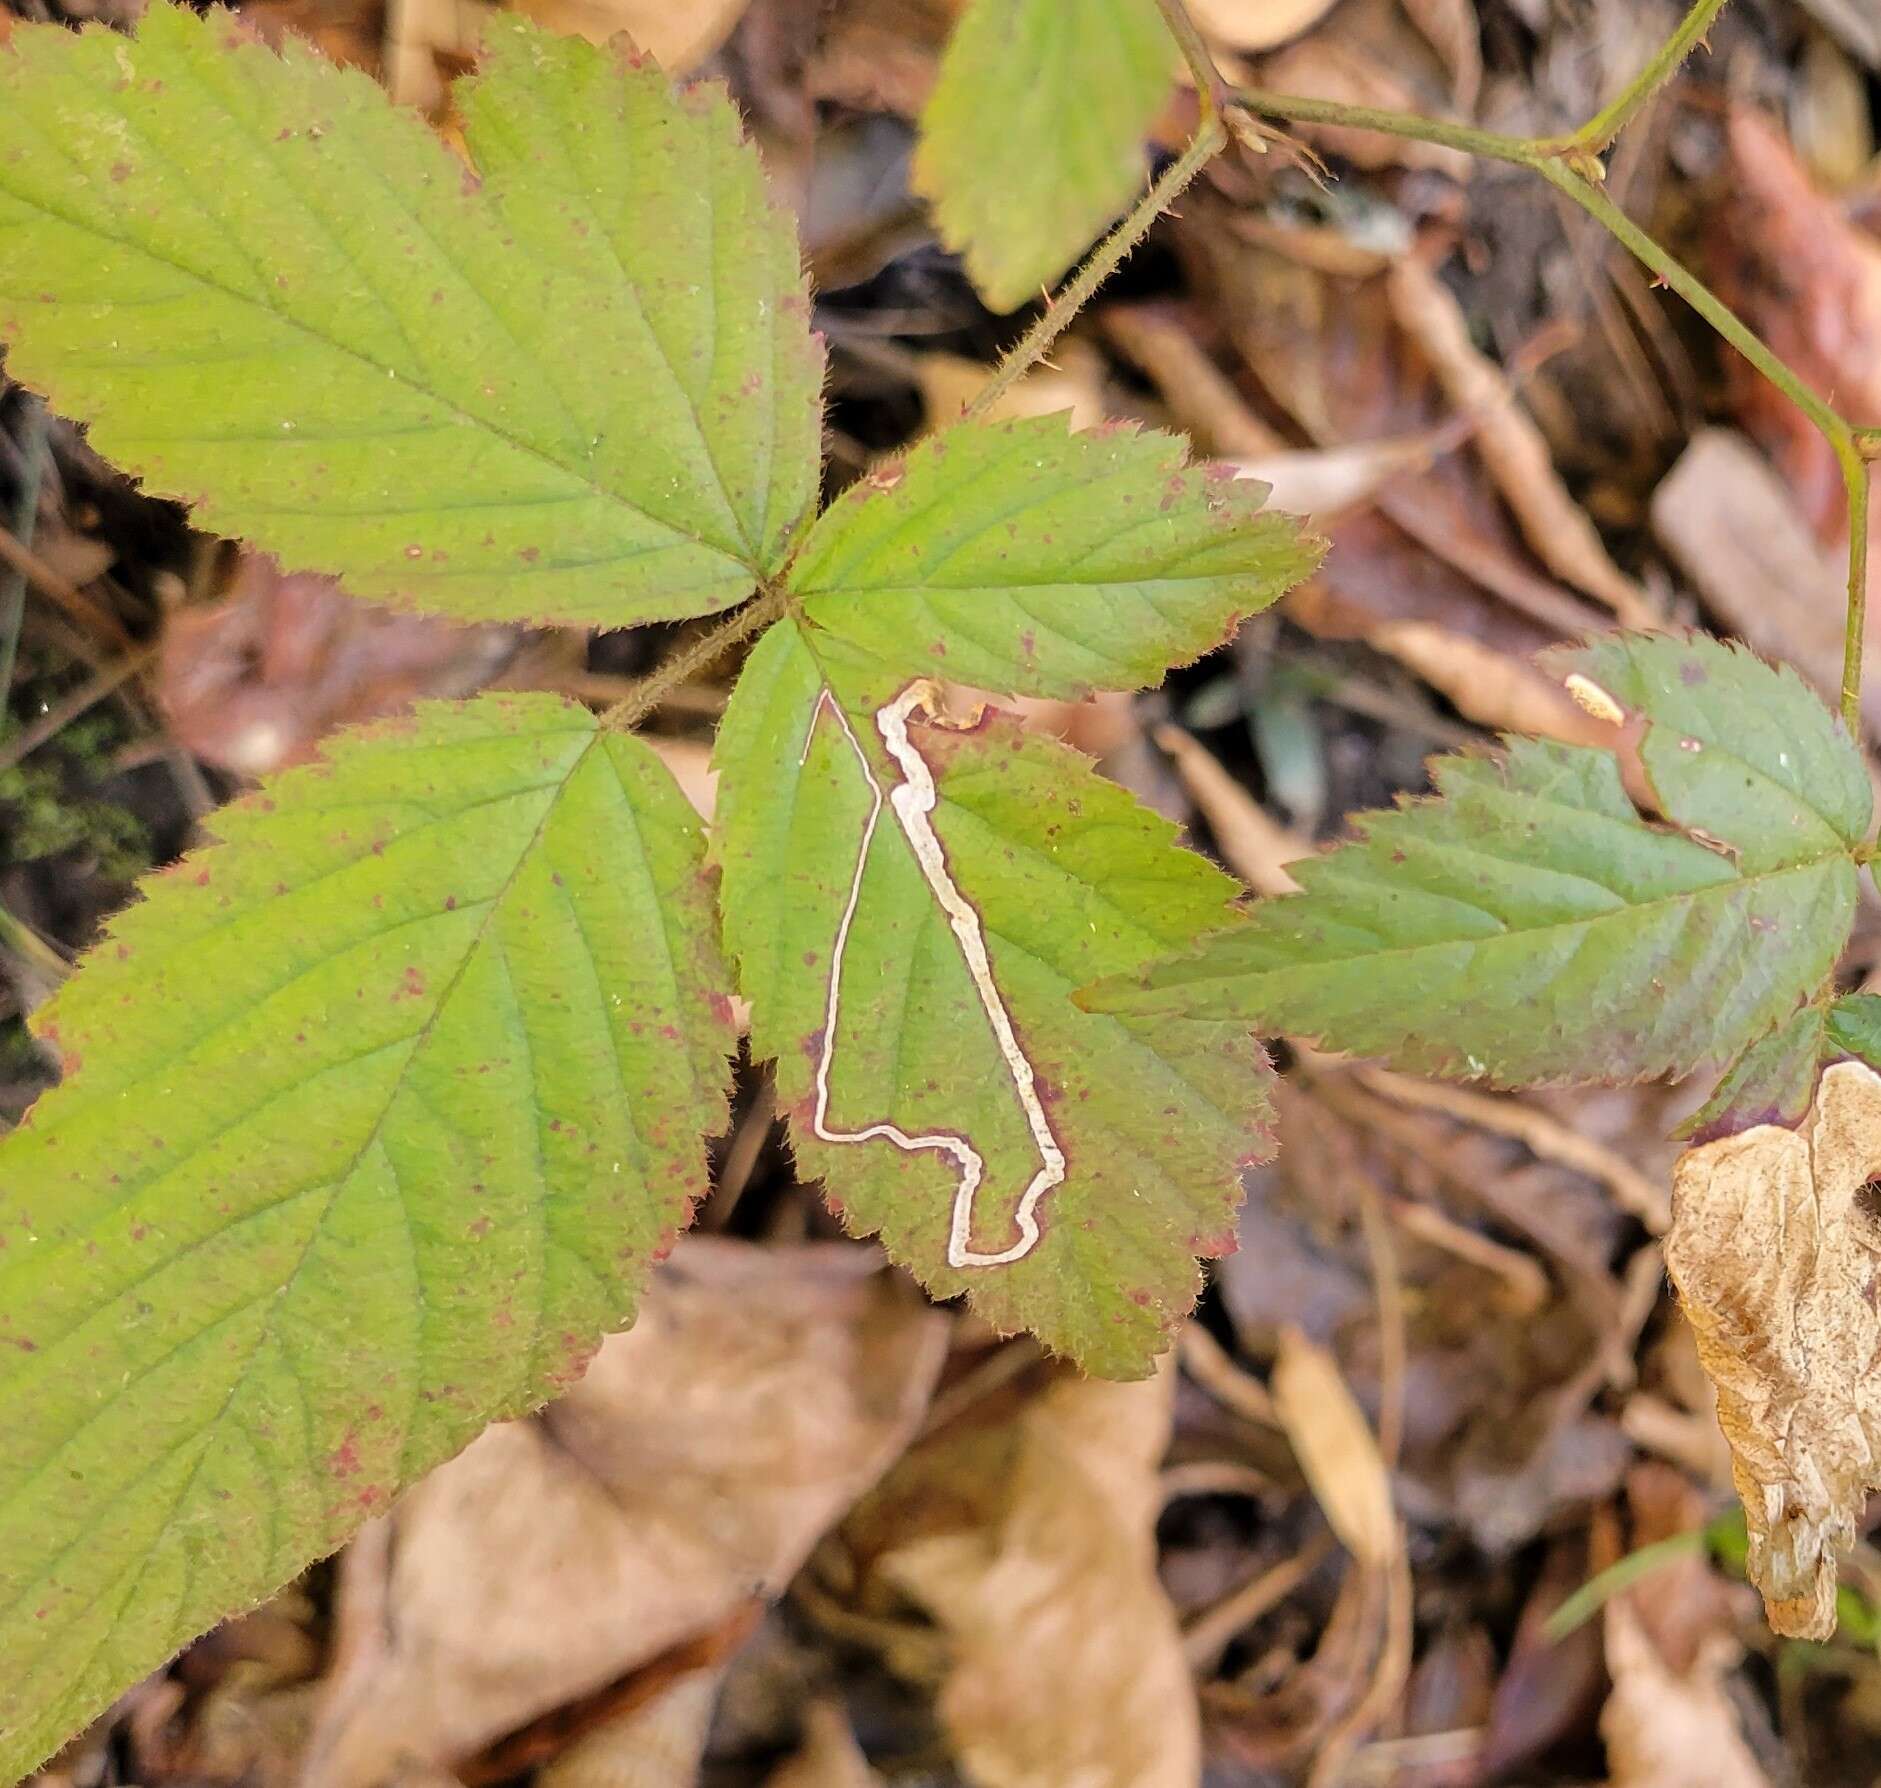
[1598,132]
[686,663]
[1570,164]
[1062,311]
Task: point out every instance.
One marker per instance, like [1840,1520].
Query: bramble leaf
[1772,1082]
[1853,1026]
[576,384]
[1074,89]
[1528,925]
[1024,558]
[1066,878]
[374,1115]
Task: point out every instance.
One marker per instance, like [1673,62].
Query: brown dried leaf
[1669,1729]
[1336,1449]
[678,37]
[1511,445]
[1778,1257]
[1256,24]
[256,680]
[760,1393]
[1032,1544]
[1809,282]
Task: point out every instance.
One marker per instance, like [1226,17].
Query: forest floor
[799,1529]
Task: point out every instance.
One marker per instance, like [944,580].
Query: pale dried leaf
[1074,381]
[1067,1663]
[677,34]
[1778,1257]
[760,1393]
[657,1745]
[1511,446]
[1664,1729]
[830,1757]
[1737,531]
[1324,480]
[1336,1449]
[1256,24]
[1492,687]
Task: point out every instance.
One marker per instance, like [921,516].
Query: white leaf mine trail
[913,801]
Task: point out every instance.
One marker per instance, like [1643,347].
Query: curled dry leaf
[1777,1255]
[761,1391]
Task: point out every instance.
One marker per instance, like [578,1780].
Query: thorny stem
[1569,163]
[1599,131]
[1111,252]
[1571,166]
[686,663]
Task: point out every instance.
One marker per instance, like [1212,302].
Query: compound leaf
[1033,139]
[1528,925]
[1021,557]
[575,384]
[1058,876]
[374,1115]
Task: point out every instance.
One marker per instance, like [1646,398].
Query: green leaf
[1021,557]
[1772,1082]
[1528,925]
[1033,139]
[1854,1026]
[1066,878]
[577,384]
[374,1115]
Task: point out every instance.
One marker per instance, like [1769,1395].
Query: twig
[25,515]
[1540,1134]
[1216,1627]
[1238,1391]
[23,562]
[61,715]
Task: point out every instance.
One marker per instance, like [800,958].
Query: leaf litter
[1537,1369]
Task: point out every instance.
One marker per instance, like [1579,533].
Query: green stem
[1059,315]
[1599,131]
[1570,165]
[686,663]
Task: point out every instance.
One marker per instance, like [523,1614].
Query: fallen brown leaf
[1369,54]
[1776,1251]
[1030,1541]
[255,680]
[1669,1729]
[1511,446]
[677,36]
[761,1391]
[830,1757]
[1256,24]
[1809,282]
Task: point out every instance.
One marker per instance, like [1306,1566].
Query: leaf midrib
[1510,933]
